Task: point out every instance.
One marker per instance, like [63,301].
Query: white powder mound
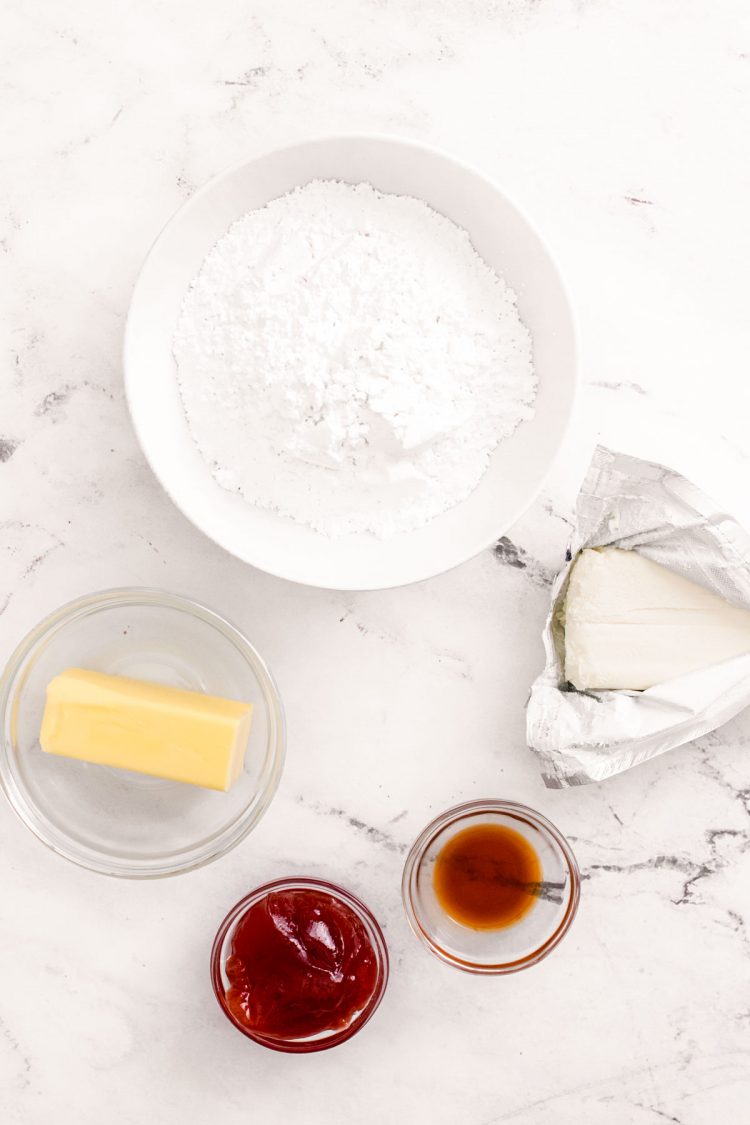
[346,358]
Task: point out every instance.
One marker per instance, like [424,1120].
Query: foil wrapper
[586,736]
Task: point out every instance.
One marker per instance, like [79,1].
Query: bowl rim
[150,596]
[477,808]
[375,933]
[565,421]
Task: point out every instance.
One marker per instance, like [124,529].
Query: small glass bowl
[507,949]
[326,1039]
[114,821]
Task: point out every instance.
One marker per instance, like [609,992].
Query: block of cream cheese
[147,727]
[630,623]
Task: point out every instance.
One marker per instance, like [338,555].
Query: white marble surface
[621,126]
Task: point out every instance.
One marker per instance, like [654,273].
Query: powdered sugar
[346,358]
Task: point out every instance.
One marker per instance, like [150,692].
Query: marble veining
[618,126]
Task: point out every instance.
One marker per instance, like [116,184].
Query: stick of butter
[631,623]
[147,727]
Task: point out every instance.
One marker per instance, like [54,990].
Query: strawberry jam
[300,963]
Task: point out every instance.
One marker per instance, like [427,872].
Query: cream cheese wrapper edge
[624,502]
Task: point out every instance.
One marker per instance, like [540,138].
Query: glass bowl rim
[120,596]
[476,808]
[375,932]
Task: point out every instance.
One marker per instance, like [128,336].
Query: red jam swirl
[300,963]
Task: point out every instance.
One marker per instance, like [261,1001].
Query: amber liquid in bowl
[487,877]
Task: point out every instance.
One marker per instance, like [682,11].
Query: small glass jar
[325,1039]
[506,949]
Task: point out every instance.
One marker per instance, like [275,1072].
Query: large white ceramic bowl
[503,237]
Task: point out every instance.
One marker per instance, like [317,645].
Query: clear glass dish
[114,821]
[326,1039]
[513,947]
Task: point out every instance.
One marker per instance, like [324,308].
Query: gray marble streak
[507,553]
[616,125]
